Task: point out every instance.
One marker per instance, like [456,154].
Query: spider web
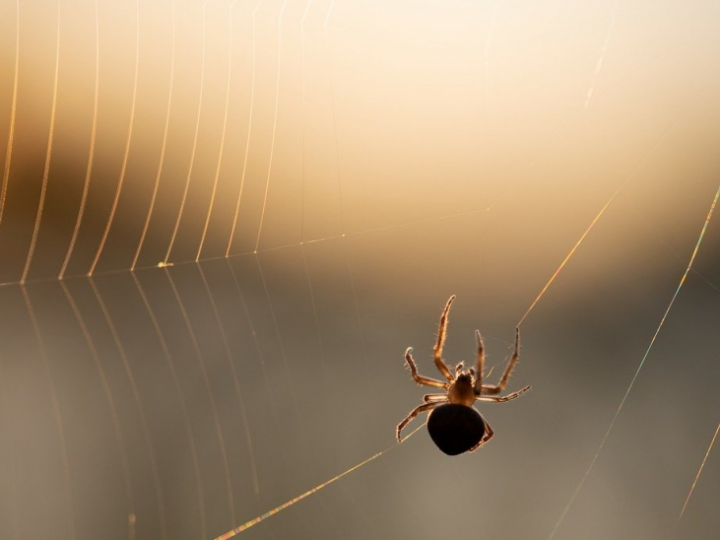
[221,224]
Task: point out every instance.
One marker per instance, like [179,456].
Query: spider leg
[442,330]
[480,364]
[503,399]
[417,410]
[485,438]
[435,398]
[491,389]
[427,381]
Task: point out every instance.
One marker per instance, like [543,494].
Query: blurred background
[222,223]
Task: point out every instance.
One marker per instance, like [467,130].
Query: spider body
[461,391]
[454,425]
[455,428]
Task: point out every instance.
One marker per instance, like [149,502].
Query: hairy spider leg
[503,399]
[435,398]
[492,389]
[417,410]
[427,381]
[442,330]
[486,436]
[480,364]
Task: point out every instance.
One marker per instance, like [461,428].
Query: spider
[454,425]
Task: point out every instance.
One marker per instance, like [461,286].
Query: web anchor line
[697,476]
[717,429]
[567,258]
[245,526]
[227,255]
[635,376]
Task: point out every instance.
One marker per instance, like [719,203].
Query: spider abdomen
[455,428]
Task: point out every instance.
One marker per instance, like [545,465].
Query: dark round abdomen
[455,428]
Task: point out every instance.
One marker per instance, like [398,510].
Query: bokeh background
[223,223]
